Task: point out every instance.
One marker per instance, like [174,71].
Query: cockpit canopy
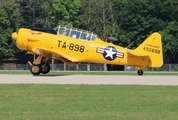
[75,33]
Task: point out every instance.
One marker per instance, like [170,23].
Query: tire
[140,72]
[36,69]
[46,69]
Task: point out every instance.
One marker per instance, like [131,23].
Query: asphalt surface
[89,79]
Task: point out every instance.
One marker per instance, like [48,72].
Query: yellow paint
[35,69]
[38,60]
[75,50]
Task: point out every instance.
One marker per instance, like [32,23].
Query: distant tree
[98,16]
[127,20]
[138,19]
[65,12]
[9,19]
[170,43]
[35,12]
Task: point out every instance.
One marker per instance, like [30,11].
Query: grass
[166,73]
[88,102]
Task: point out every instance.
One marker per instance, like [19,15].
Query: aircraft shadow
[48,75]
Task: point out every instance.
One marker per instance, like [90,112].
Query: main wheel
[36,69]
[140,72]
[45,68]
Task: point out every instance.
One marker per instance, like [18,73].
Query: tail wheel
[45,68]
[36,69]
[140,72]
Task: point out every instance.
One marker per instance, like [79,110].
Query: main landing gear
[40,67]
[140,71]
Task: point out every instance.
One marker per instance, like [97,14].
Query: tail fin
[152,46]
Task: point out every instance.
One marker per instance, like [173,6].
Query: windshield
[55,28]
[76,33]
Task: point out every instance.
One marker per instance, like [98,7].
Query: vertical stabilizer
[153,47]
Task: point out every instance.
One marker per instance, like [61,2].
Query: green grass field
[88,102]
[165,73]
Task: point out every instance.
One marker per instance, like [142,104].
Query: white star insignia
[109,53]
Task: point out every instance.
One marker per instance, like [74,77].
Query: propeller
[14,34]
[17,27]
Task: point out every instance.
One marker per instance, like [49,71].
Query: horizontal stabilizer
[137,53]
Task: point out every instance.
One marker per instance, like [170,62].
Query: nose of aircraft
[21,38]
[14,35]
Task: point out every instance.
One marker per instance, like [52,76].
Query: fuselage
[83,50]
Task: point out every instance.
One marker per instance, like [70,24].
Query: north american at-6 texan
[72,46]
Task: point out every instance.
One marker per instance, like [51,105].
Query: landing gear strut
[40,66]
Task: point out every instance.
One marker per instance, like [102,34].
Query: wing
[51,54]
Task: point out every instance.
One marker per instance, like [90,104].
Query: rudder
[153,47]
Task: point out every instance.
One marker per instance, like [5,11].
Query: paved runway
[89,79]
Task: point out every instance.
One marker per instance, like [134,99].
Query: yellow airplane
[72,46]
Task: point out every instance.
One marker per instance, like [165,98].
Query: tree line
[128,20]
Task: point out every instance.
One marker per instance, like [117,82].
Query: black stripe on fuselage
[52,31]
